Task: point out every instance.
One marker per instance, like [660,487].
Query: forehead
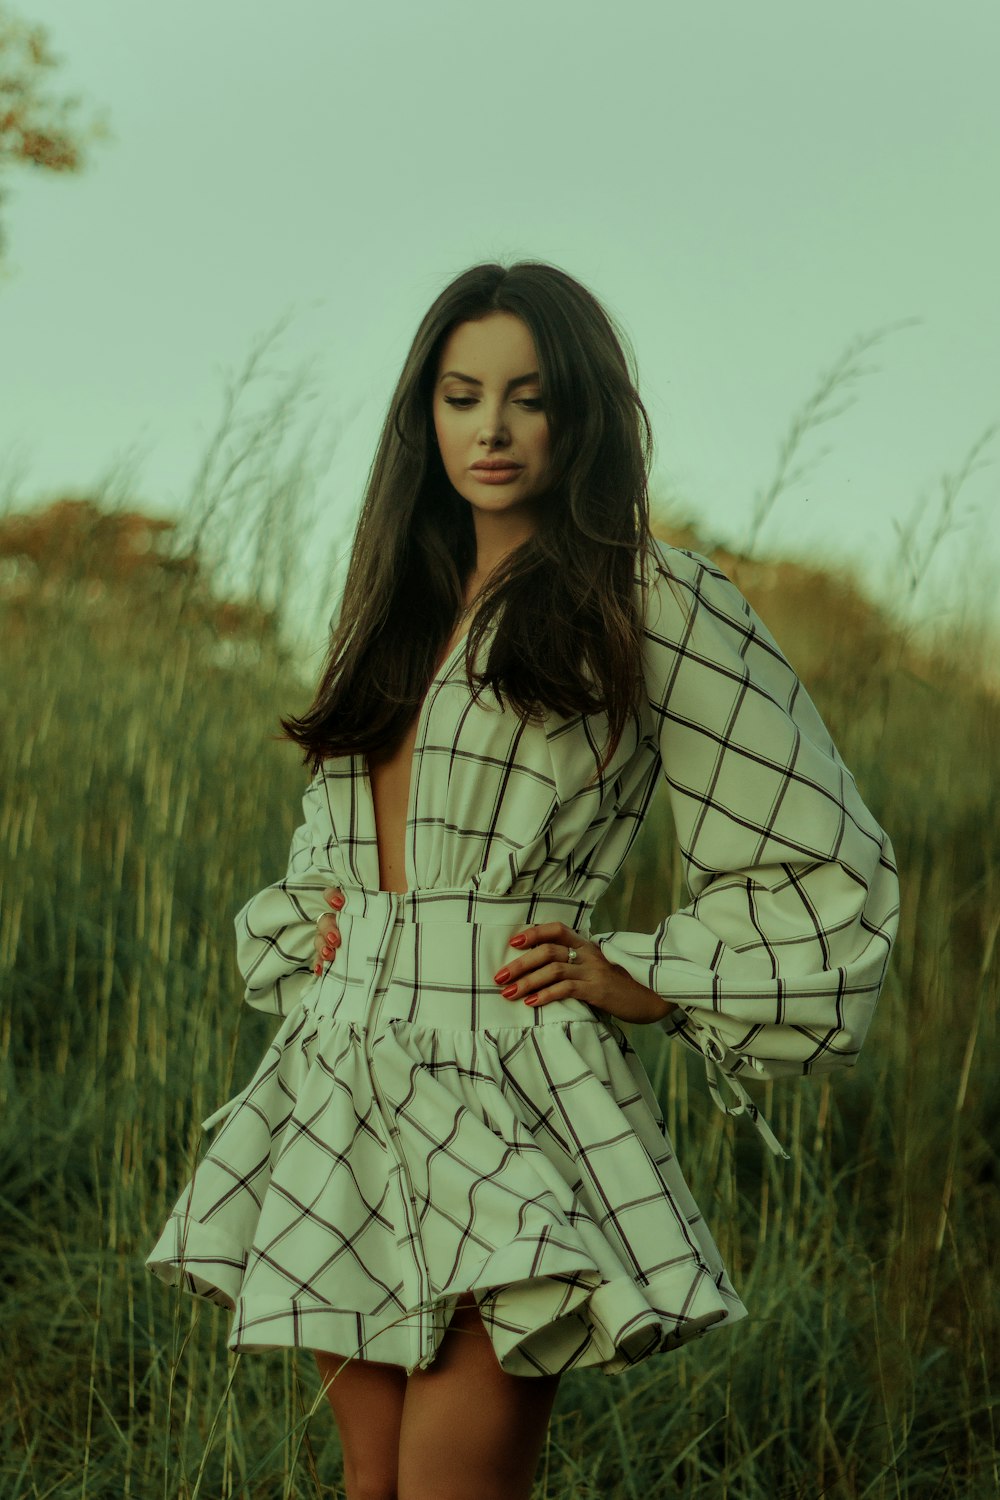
[490,343]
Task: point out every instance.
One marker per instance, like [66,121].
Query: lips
[498,464]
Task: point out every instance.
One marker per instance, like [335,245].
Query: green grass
[142,802]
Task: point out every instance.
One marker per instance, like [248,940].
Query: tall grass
[143,801]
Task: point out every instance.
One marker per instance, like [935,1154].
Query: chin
[492,495]
[495,504]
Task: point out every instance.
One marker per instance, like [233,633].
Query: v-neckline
[440,674]
[439,677]
[444,665]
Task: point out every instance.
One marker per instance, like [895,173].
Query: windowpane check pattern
[410,1136]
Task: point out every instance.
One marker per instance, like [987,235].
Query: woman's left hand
[543,972]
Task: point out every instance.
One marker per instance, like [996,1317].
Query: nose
[493,432]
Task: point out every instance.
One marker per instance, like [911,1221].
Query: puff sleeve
[776,961]
[275,929]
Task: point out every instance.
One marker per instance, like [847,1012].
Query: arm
[276,930]
[776,962]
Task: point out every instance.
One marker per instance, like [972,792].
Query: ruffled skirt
[404,1142]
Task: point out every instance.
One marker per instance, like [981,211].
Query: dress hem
[567,1318]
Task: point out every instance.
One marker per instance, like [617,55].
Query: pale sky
[747,188]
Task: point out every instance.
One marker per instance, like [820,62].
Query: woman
[449,1176]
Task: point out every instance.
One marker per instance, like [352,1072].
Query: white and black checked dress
[410,1135]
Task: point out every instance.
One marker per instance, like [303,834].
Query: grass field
[143,801]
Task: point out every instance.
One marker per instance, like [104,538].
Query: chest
[390,774]
[470,786]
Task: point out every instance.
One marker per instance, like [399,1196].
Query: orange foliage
[818,615]
[35,129]
[106,558]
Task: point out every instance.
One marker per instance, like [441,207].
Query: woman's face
[487,406]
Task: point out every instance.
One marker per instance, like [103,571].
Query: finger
[322,941]
[543,953]
[561,989]
[334,897]
[546,932]
[326,957]
[326,940]
[545,976]
[326,925]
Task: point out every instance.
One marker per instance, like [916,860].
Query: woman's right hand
[327,935]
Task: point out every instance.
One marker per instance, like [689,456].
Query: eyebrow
[471,379]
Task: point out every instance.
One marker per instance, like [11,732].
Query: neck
[496,536]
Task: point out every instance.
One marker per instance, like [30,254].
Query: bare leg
[469,1430]
[367,1402]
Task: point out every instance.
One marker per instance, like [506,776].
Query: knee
[473,1487]
[362,1482]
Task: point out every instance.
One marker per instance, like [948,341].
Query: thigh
[469,1430]
[367,1403]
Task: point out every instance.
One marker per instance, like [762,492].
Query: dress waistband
[465,905]
[429,957]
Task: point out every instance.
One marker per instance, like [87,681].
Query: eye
[534,403]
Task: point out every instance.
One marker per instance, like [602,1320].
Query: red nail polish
[501,976]
[519,941]
[509,992]
[530,999]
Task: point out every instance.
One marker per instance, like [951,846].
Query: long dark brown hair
[567,634]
